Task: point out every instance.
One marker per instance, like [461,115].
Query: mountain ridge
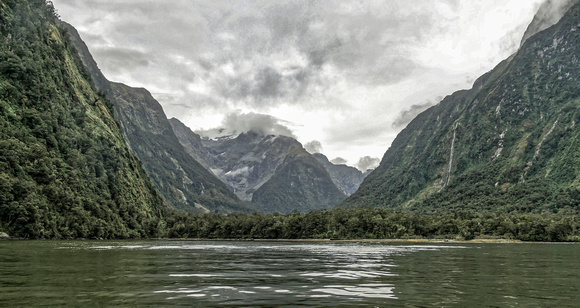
[504,144]
[181,180]
[65,169]
[253,162]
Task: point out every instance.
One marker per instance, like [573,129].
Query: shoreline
[481,241]
[398,240]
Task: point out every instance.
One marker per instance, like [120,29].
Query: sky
[343,77]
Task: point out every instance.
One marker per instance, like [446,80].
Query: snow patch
[244,171]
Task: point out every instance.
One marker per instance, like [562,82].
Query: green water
[287,274]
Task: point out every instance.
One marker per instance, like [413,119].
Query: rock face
[249,160]
[346,178]
[252,162]
[509,143]
[65,169]
[183,183]
[300,183]
[191,143]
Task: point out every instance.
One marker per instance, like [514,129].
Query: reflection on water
[192,273]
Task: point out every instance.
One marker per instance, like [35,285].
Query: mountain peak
[549,13]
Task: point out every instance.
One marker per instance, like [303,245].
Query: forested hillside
[511,143]
[182,182]
[65,170]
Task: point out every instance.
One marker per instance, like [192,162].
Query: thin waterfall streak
[450,158]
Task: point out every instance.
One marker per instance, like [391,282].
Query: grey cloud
[260,123]
[338,161]
[263,86]
[367,162]
[119,59]
[313,146]
[268,83]
[409,114]
[371,49]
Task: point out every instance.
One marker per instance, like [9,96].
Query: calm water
[287,274]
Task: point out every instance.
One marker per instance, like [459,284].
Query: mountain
[244,162]
[191,143]
[346,178]
[547,15]
[509,143]
[252,162]
[182,182]
[65,169]
[300,183]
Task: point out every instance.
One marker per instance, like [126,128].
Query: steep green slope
[181,180]
[510,143]
[65,170]
[300,183]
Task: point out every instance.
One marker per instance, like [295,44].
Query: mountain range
[256,165]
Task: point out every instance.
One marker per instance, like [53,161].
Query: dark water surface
[287,274]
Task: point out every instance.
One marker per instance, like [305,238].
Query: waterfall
[450,158]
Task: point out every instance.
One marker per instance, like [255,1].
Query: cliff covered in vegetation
[510,143]
[65,169]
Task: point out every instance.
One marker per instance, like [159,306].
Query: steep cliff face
[183,183]
[65,170]
[191,143]
[300,183]
[511,142]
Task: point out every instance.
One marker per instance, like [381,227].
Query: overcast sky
[343,77]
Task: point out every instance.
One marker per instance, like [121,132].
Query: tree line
[373,223]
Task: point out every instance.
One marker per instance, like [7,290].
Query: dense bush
[65,171]
[375,223]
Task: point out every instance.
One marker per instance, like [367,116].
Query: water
[287,274]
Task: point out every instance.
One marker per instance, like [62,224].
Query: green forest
[376,223]
[65,170]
